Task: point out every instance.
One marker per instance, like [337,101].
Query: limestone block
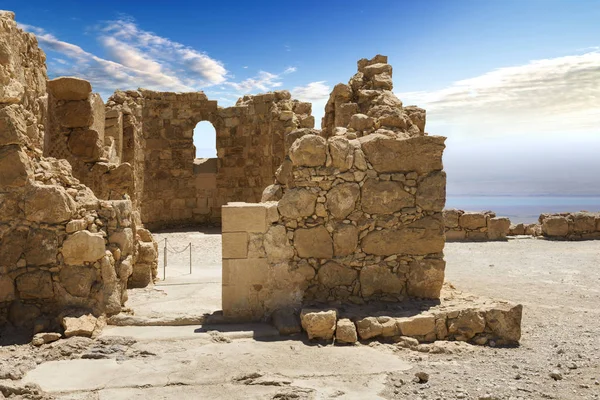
[422,154]
[15,166]
[141,276]
[74,114]
[35,285]
[45,338]
[244,217]
[14,243]
[417,116]
[77,280]
[583,222]
[505,321]
[426,278]
[473,220]
[344,113]
[146,252]
[296,203]
[451,217]
[467,324]
[383,81]
[341,199]
[79,326]
[85,144]
[49,204]
[342,153]
[423,236]
[345,239]
[384,197]
[380,279]
[271,193]
[123,239]
[309,151]
[456,236]
[431,192]
[13,129]
[42,247]
[498,228]
[318,324]
[76,225]
[361,122]
[83,246]
[345,331]
[333,274]
[368,328]
[517,229]
[421,325]
[277,245]
[477,236]
[376,69]
[555,226]
[286,321]
[313,242]
[235,244]
[69,88]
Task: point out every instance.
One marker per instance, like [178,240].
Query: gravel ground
[559,357]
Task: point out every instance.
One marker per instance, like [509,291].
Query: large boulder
[313,242]
[341,199]
[69,88]
[83,246]
[296,203]
[384,197]
[318,324]
[557,226]
[333,274]
[473,220]
[49,204]
[309,151]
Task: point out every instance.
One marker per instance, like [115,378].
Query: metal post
[165,261]
[190,258]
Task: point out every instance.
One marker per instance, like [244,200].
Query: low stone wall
[570,226]
[525,229]
[468,226]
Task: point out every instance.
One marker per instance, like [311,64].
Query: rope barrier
[169,249]
[172,250]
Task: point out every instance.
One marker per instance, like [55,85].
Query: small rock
[422,377]
[556,375]
[79,326]
[45,337]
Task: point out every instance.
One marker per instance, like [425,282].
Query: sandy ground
[557,282]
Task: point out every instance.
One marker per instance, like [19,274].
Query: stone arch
[205,140]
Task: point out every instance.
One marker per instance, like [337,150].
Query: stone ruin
[354,219]
[64,249]
[470,226]
[347,215]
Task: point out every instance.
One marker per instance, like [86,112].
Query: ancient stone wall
[354,217]
[61,248]
[175,188]
[469,226]
[570,226]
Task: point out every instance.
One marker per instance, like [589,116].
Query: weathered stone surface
[69,88]
[473,220]
[79,326]
[361,122]
[83,246]
[498,228]
[313,242]
[15,167]
[422,154]
[297,202]
[49,204]
[424,236]
[583,222]
[318,324]
[431,193]
[342,153]
[342,198]
[42,247]
[7,289]
[85,144]
[271,193]
[238,217]
[286,321]
[35,285]
[333,274]
[77,280]
[74,114]
[368,328]
[345,239]
[451,218]
[456,236]
[384,197]
[422,325]
[123,239]
[555,226]
[345,331]
[277,245]
[426,278]
[380,279]
[235,244]
[467,324]
[45,338]
[506,322]
[309,151]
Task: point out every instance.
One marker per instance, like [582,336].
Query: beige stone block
[245,272]
[206,181]
[235,245]
[244,217]
[416,326]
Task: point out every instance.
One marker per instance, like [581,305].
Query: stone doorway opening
[205,140]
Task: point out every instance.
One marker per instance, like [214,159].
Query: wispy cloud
[314,91]
[138,58]
[557,94]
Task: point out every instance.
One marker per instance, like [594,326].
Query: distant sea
[523,209]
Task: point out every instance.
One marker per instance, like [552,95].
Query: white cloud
[290,70]
[558,94]
[314,91]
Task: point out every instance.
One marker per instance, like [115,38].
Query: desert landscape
[299,263]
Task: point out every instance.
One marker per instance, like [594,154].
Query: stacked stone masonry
[354,215]
[62,249]
[570,226]
[475,226]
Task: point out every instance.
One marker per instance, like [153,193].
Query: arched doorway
[205,140]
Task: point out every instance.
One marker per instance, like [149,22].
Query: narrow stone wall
[61,248]
[571,226]
[355,217]
[469,226]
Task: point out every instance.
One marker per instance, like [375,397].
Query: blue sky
[514,85]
